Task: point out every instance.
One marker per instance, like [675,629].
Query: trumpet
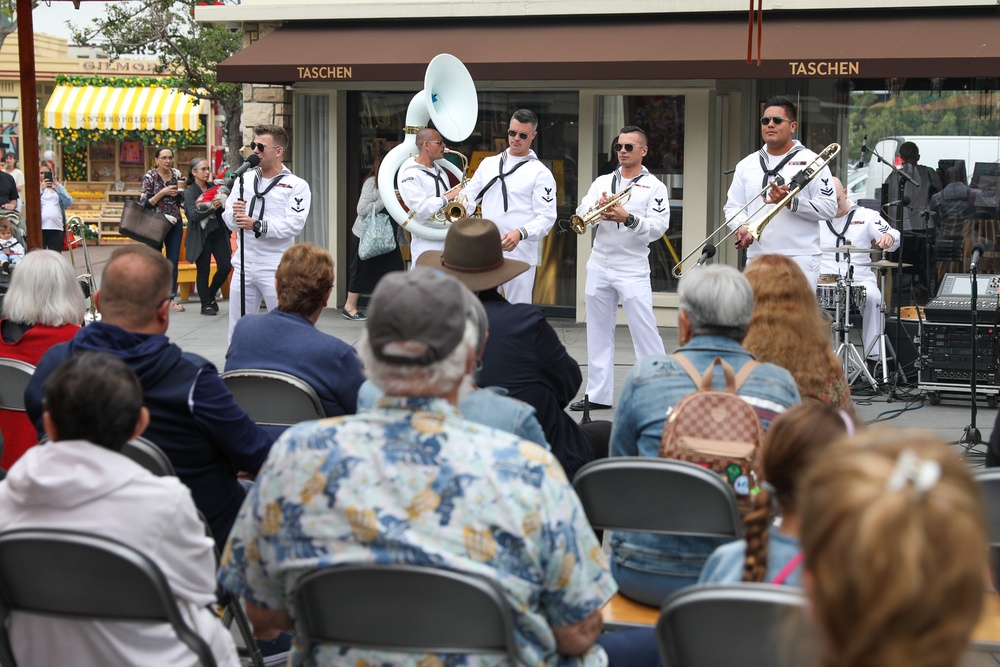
[456,208]
[593,215]
[756,226]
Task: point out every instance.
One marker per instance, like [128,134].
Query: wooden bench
[621,612]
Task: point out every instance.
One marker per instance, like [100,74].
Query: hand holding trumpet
[614,213]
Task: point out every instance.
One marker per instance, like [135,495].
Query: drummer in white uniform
[857,226]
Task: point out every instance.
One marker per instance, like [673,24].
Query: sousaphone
[449,99]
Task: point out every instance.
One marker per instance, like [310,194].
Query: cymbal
[883,264]
[849,248]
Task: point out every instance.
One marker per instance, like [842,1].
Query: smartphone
[47,175]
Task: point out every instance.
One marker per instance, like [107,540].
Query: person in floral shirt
[411,482]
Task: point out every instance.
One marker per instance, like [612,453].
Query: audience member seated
[794,440]
[413,482]
[44,306]
[523,354]
[79,481]
[286,339]
[490,406]
[790,330]
[716,304]
[894,540]
[193,417]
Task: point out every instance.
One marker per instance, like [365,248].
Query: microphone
[977,253]
[864,145]
[250,163]
[706,254]
[905,201]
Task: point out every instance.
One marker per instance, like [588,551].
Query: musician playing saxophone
[425,186]
[618,268]
[795,230]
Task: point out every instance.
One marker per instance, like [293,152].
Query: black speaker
[908,352]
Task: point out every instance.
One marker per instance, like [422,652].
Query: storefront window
[379,127]
[10,126]
[662,118]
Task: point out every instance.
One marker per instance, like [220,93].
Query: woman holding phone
[55,199]
[163,188]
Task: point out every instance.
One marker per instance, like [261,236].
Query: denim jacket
[653,386]
[489,407]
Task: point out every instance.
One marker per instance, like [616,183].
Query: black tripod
[971,438]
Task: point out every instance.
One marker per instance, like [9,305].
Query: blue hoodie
[194,419]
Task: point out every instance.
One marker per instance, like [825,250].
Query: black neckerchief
[842,234]
[501,176]
[768,173]
[257,194]
[438,181]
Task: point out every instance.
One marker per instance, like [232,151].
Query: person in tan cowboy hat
[523,354]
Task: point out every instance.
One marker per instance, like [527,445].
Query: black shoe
[213,304]
[206,309]
[578,406]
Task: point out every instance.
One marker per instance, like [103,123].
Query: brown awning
[819,44]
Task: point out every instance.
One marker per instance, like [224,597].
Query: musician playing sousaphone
[618,268]
[795,230]
[426,187]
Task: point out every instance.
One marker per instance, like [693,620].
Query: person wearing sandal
[207,236]
[162,189]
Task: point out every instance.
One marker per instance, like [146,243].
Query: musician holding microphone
[795,230]
[618,268]
[426,187]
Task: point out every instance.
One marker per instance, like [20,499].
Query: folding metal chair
[273,398]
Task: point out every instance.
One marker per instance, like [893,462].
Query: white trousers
[605,287]
[809,264]
[871,322]
[519,288]
[260,287]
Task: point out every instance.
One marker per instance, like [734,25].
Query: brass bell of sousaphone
[449,99]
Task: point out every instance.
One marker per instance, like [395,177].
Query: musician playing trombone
[618,268]
[795,230]
[426,186]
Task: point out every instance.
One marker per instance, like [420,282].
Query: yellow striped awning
[110,108]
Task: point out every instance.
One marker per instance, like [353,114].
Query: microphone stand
[243,267]
[971,437]
[898,219]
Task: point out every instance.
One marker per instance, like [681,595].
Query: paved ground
[207,336]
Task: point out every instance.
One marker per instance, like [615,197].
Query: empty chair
[720,625]
[404,608]
[14,377]
[149,456]
[273,398]
[85,577]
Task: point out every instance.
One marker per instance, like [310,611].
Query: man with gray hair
[518,193]
[716,304]
[411,482]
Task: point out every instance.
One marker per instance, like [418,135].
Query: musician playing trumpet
[795,230]
[618,268]
[426,187]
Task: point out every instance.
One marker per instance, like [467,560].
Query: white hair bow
[911,469]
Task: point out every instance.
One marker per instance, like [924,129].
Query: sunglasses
[254,146]
[778,120]
[628,147]
[515,133]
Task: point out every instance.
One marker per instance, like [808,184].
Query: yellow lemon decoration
[271,522]
[364,523]
[479,544]
[425,501]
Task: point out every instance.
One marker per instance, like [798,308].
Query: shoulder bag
[146,225]
[377,236]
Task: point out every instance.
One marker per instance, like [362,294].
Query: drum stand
[883,340]
[854,363]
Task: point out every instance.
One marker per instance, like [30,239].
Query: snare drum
[830,295]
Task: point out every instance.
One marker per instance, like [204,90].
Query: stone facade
[263,103]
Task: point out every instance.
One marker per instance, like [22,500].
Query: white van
[936,152]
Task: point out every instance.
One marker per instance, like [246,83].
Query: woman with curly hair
[895,544]
[788,329]
[794,440]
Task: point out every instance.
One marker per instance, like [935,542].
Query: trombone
[756,226]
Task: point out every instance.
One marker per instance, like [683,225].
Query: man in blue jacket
[194,419]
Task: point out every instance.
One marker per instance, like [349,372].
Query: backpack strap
[703,382]
[788,569]
[748,368]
